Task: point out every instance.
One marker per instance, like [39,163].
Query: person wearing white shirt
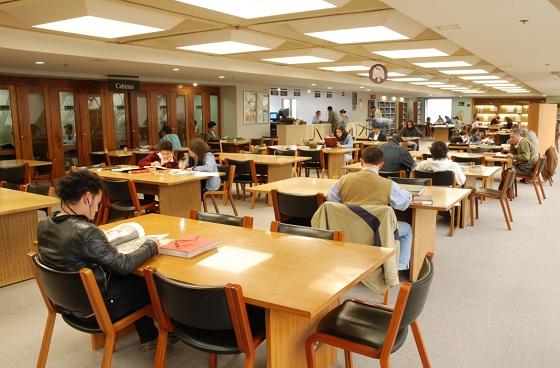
[440,162]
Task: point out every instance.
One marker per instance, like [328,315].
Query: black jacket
[396,157]
[380,138]
[71,242]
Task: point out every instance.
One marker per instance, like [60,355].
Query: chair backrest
[439,178]
[18,174]
[458,147]
[12,186]
[295,209]
[242,167]
[541,163]
[412,181]
[45,170]
[316,156]
[64,289]
[116,190]
[245,221]
[418,294]
[39,189]
[99,158]
[475,160]
[387,174]
[311,232]
[267,141]
[203,307]
[426,156]
[229,174]
[285,152]
[508,180]
[256,141]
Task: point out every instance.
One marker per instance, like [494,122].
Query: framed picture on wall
[249,107]
[262,108]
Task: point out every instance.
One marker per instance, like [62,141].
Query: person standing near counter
[333,119]
[343,119]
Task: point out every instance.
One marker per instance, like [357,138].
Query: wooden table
[234,145]
[371,143]
[442,132]
[423,216]
[296,279]
[18,230]
[277,167]
[32,163]
[177,193]
[485,173]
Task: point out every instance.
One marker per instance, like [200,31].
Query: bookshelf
[388,109]
[516,110]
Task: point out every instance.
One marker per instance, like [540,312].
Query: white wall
[307,104]
[466,109]
[229,111]
[252,130]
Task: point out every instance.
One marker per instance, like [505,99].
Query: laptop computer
[331,142]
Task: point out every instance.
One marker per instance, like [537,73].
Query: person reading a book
[367,187]
[440,162]
[204,161]
[69,241]
[164,157]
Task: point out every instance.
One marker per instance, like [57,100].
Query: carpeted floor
[493,302]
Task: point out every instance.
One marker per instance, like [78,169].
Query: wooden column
[542,120]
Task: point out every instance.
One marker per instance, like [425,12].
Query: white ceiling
[152,56]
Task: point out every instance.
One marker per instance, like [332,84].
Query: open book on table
[130,236]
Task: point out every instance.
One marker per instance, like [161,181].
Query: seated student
[164,157]
[410,131]
[509,123]
[344,141]
[366,187]
[396,157]
[210,135]
[523,152]
[448,120]
[440,162]
[204,161]
[439,120]
[69,241]
[166,135]
[476,136]
[377,135]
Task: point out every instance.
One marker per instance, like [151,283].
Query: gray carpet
[493,302]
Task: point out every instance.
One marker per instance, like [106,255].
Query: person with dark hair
[69,241]
[344,141]
[410,130]
[164,157]
[440,162]
[343,119]
[204,161]
[495,120]
[367,187]
[396,156]
[333,119]
[210,134]
[377,135]
[167,135]
[509,123]
[317,118]
[475,137]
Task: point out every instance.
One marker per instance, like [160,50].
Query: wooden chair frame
[111,331]
[45,179]
[236,303]
[338,235]
[254,179]
[106,206]
[247,220]
[535,177]
[320,198]
[225,193]
[502,197]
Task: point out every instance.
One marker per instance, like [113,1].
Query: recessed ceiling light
[501,85]
[457,88]
[392,74]
[348,68]
[428,83]
[412,79]
[362,87]
[308,91]
[479,77]
[98,27]
[250,9]
[175,69]
[471,91]
[359,35]
[496,81]
[447,86]
[313,84]
[308,59]
[195,84]
[443,64]
[223,48]
[368,89]
[329,87]
[39,62]
[464,71]
[412,53]
[221,76]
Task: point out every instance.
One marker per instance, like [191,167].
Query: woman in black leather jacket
[69,241]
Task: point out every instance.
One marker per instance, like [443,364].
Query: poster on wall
[262,108]
[249,107]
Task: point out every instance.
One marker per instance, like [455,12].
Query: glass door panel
[7,146]
[95,122]
[161,103]
[142,106]
[119,118]
[68,121]
[38,124]
[181,119]
[198,114]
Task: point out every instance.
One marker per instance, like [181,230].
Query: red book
[188,247]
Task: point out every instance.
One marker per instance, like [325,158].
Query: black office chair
[76,297]
[245,174]
[412,181]
[317,162]
[214,319]
[245,221]
[121,196]
[18,174]
[295,209]
[311,232]
[375,331]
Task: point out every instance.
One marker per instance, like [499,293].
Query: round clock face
[378,73]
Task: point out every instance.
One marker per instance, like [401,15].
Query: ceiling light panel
[463,71]
[480,77]
[497,81]
[359,35]
[347,68]
[249,9]
[501,85]
[308,59]
[427,83]
[389,74]
[223,48]
[225,41]
[411,53]
[443,64]
[412,79]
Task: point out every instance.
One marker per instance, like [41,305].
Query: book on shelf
[188,246]
[422,199]
[129,236]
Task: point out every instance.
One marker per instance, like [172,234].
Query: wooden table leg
[285,340]
[423,239]
[17,233]
[336,162]
[178,200]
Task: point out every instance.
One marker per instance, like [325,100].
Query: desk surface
[236,142]
[328,151]
[157,177]
[31,163]
[14,201]
[264,159]
[480,171]
[283,272]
